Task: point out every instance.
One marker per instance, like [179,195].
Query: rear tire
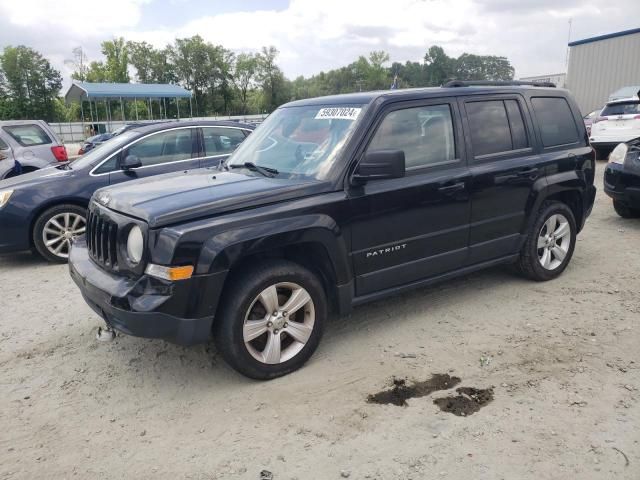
[254,331]
[624,211]
[54,230]
[550,243]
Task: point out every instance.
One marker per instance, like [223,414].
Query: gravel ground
[561,357]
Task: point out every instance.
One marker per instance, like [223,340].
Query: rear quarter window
[555,121]
[28,135]
[3,146]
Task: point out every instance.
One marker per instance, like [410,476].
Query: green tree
[190,57]
[438,66]
[30,82]
[79,64]
[275,88]
[116,60]
[246,68]
[152,65]
[482,67]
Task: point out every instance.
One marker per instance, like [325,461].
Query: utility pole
[566,60]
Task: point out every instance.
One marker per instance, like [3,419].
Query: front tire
[55,228]
[271,319]
[624,211]
[550,243]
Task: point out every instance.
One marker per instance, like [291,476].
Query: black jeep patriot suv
[337,201]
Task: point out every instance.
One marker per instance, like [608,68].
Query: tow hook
[105,334]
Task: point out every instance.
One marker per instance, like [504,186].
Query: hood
[52,172]
[173,198]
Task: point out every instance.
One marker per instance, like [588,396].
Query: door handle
[529,172]
[453,188]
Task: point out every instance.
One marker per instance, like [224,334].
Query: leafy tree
[116,60]
[30,82]
[486,67]
[246,68]
[152,65]
[275,88]
[438,66]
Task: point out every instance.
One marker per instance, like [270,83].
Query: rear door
[411,228]
[160,152]
[504,166]
[217,143]
[33,144]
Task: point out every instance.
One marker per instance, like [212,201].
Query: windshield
[299,141]
[626,108]
[101,151]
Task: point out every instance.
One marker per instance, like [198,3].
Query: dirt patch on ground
[401,390]
[468,401]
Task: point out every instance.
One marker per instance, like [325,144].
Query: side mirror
[130,162]
[380,164]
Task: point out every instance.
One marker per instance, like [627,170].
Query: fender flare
[222,251]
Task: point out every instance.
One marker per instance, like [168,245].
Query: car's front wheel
[54,230]
[550,243]
[271,319]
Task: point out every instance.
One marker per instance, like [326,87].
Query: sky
[317,35]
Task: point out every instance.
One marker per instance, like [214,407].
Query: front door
[161,152]
[408,229]
[504,166]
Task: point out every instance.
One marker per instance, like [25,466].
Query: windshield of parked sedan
[299,141]
[103,150]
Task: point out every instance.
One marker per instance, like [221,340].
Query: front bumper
[179,312]
[622,185]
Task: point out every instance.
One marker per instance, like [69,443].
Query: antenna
[566,60]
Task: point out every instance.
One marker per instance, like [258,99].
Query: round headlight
[619,153]
[135,245]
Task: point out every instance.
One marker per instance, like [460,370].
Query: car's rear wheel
[54,230]
[271,320]
[624,210]
[550,243]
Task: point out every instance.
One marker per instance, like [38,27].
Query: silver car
[28,145]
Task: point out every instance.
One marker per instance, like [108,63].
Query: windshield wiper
[266,171]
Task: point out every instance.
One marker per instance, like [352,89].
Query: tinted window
[3,146]
[220,141]
[28,135]
[163,147]
[626,108]
[489,127]
[516,122]
[425,134]
[555,120]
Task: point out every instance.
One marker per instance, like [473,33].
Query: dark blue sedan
[45,209]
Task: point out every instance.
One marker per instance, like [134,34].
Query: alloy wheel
[60,230]
[554,241]
[278,323]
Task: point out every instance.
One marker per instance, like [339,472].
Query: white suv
[618,122]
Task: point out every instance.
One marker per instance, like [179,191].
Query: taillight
[600,119]
[60,153]
[637,117]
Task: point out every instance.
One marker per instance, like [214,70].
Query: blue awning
[105,91]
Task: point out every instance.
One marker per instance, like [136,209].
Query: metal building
[599,66]
[558,79]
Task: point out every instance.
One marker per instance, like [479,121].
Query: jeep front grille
[102,236]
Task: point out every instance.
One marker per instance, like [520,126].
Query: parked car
[618,122]
[92,142]
[26,146]
[44,210]
[380,201]
[622,179]
[589,118]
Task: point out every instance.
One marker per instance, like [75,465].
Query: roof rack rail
[496,83]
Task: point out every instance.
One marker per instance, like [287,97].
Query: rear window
[555,120]
[28,135]
[626,108]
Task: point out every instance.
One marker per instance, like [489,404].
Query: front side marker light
[170,273]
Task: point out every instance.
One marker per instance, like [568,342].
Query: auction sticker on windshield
[338,113]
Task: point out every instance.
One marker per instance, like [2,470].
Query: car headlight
[4,197]
[135,245]
[619,154]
